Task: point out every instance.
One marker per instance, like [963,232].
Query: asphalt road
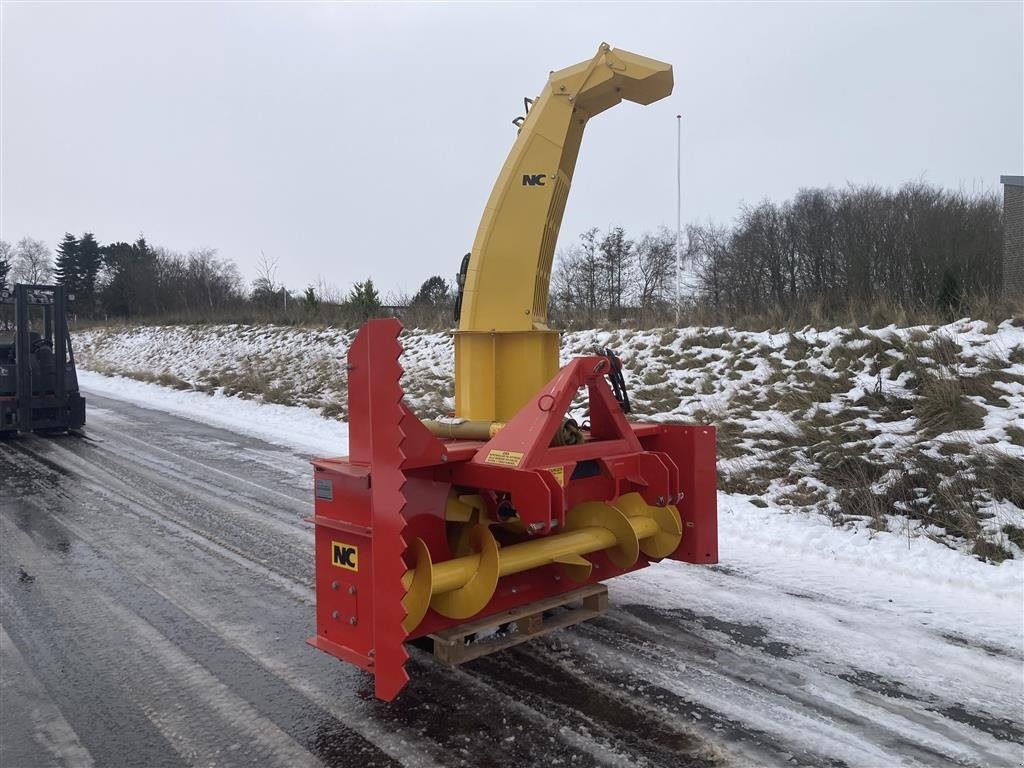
[156,592]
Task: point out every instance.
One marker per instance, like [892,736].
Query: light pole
[679,216]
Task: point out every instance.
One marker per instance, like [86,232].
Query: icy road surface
[156,592]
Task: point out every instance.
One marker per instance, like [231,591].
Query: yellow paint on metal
[419,585]
[476,592]
[624,548]
[461,587]
[345,555]
[496,373]
[504,351]
[459,508]
[463,429]
[546,549]
[670,526]
[575,567]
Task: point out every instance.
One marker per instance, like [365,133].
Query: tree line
[136,280]
[825,255]
[123,279]
[841,252]
[610,278]
[918,246]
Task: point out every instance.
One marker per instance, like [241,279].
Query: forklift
[38,381]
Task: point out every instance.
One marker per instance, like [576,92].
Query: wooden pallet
[531,620]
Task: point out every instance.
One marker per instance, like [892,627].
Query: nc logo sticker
[345,556]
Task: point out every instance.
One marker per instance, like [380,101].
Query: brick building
[1013,235]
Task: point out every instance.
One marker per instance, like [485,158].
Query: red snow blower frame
[416,534]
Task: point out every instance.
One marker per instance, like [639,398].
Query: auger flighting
[461,587]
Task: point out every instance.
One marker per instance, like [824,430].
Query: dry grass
[944,483]
[942,406]
[170,380]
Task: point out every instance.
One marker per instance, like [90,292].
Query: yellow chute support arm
[504,350]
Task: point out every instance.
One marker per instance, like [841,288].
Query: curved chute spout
[510,265]
[502,357]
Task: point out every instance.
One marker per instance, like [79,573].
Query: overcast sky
[349,141]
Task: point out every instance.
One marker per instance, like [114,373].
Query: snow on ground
[869,644]
[842,611]
[295,427]
[957,591]
[917,432]
[809,644]
[284,365]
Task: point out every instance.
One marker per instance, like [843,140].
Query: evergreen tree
[116,295]
[311,300]
[433,292]
[131,289]
[365,300]
[66,271]
[90,259]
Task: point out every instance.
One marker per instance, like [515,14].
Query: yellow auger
[461,587]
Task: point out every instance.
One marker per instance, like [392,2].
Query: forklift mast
[38,380]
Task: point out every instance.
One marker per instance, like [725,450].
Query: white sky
[363,140]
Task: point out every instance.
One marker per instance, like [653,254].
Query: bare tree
[5,262]
[266,272]
[215,279]
[918,245]
[655,272]
[33,262]
[617,270]
[327,292]
[578,280]
[265,287]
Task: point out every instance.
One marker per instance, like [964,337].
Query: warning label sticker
[558,473]
[345,556]
[504,458]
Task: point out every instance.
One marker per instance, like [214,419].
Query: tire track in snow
[329,735]
[35,730]
[203,528]
[453,725]
[230,588]
[194,712]
[815,701]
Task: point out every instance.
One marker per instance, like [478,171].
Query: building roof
[1013,181]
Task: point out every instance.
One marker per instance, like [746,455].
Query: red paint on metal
[394,487]
[692,450]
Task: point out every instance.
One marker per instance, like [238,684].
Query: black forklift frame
[56,328]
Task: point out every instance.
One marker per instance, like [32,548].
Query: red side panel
[344,562]
[692,450]
[360,519]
